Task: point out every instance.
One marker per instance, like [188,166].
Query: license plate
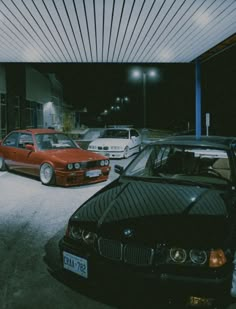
[75,264]
[93,173]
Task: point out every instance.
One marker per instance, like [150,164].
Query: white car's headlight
[92,147]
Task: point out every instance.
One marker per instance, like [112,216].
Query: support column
[198,99]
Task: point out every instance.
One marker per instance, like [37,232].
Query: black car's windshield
[181,163]
[48,141]
[115,133]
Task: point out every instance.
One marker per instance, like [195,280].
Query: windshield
[115,134]
[54,141]
[184,163]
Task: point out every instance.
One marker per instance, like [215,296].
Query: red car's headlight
[71,166]
[77,165]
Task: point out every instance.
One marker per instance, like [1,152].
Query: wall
[38,87]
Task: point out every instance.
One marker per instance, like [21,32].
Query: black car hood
[169,211]
[139,199]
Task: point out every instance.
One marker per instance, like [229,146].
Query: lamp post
[138,74]
[122,100]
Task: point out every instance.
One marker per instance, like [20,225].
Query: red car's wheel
[47,174]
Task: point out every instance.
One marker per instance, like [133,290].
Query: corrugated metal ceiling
[123,31]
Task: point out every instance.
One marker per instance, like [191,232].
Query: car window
[54,141]
[115,134]
[182,162]
[11,140]
[134,133]
[24,139]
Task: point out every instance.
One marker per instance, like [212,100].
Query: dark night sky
[96,87]
[170,99]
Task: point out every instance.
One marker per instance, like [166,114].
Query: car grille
[103,148]
[110,249]
[90,164]
[130,254]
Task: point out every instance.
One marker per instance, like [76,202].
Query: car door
[9,148]
[24,158]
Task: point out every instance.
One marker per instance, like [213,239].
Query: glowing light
[202,19]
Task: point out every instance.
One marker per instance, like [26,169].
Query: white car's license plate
[93,173]
[75,264]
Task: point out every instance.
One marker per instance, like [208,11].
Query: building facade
[3,110]
[29,99]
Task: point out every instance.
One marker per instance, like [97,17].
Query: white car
[117,143]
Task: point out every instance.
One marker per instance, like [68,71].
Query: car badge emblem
[128,232]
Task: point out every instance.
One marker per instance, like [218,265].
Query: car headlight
[198,256]
[77,233]
[77,165]
[102,163]
[106,162]
[70,166]
[89,237]
[91,147]
[74,232]
[178,255]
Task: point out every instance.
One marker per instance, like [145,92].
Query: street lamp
[144,74]
[115,107]
[122,100]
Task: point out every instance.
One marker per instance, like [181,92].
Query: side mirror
[119,169]
[29,147]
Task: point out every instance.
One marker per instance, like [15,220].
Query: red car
[53,157]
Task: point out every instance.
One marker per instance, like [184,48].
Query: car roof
[117,128]
[37,131]
[223,142]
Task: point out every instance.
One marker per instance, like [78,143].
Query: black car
[169,219]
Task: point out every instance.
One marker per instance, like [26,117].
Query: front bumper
[111,154]
[164,279]
[78,177]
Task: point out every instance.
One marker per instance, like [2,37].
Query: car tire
[3,166]
[126,152]
[47,174]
